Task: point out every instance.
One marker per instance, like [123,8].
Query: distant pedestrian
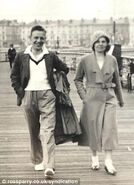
[98,117]
[11,54]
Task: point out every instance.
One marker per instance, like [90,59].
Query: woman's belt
[102,85]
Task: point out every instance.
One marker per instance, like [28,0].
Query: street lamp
[114,31]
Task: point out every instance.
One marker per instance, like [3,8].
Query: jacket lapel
[48,64]
[25,62]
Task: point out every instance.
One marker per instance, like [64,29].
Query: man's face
[38,39]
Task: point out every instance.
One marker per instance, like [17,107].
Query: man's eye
[41,38]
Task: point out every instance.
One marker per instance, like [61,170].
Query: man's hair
[37,28]
[11,45]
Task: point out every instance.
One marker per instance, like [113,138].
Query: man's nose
[39,39]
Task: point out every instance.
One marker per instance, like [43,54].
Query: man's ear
[29,40]
[29,37]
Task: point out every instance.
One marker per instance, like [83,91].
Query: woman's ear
[29,40]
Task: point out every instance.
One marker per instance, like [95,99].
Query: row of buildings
[67,33]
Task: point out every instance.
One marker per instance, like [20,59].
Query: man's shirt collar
[28,50]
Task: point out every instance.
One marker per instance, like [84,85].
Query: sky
[29,10]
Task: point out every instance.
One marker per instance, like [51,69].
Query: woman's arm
[79,80]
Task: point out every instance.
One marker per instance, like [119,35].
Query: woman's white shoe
[49,172]
[95,163]
[110,169]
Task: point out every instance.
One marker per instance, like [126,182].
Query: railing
[3,56]
[128,72]
[72,59]
[127,75]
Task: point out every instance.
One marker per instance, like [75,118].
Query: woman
[98,116]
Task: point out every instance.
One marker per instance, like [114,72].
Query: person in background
[98,116]
[11,54]
[33,81]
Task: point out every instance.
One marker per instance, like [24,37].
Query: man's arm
[59,65]
[16,77]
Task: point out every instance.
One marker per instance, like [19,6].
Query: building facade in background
[66,33]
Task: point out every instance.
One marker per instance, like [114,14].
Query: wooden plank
[72,161]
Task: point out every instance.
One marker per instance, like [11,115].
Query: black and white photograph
[67,92]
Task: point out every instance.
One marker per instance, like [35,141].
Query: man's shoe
[39,167]
[49,172]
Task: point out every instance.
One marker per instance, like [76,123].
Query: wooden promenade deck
[72,162]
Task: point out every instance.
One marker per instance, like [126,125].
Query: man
[32,80]
[11,54]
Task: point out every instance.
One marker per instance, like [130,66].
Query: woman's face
[100,45]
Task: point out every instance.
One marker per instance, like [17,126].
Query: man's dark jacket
[11,54]
[20,73]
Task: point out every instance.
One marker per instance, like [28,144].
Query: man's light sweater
[38,74]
